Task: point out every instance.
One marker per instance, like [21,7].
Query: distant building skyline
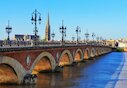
[106,18]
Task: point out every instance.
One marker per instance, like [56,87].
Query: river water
[89,74]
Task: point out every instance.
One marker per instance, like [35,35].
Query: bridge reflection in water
[90,74]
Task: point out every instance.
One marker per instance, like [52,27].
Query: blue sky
[106,18]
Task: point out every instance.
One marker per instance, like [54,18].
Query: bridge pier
[30,79]
[58,68]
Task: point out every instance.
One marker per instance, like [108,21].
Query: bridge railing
[27,43]
[13,43]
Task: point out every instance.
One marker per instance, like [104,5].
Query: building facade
[21,37]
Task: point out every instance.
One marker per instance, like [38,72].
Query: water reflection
[62,79]
[55,79]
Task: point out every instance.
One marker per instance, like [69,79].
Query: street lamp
[104,42]
[93,36]
[36,17]
[8,30]
[53,35]
[79,38]
[73,38]
[97,39]
[87,35]
[63,32]
[78,30]
[101,40]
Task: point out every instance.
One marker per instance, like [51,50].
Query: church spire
[48,19]
[47,30]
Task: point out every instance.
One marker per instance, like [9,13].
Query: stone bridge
[26,61]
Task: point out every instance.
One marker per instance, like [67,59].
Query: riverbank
[121,50]
[122,79]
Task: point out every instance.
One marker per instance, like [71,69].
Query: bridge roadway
[27,61]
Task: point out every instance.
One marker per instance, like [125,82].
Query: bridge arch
[65,58]
[87,53]
[15,67]
[78,55]
[102,50]
[105,51]
[44,62]
[93,52]
[99,52]
[96,51]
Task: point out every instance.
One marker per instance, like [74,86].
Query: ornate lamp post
[87,36]
[36,17]
[53,35]
[73,38]
[8,30]
[101,40]
[105,42]
[78,30]
[93,36]
[79,38]
[63,32]
[97,39]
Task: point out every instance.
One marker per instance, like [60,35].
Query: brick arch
[87,53]
[16,66]
[102,50]
[97,52]
[105,51]
[108,50]
[48,56]
[78,55]
[65,58]
[93,52]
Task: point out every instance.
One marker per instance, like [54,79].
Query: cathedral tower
[47,30]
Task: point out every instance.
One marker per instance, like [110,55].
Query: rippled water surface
[90,74]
